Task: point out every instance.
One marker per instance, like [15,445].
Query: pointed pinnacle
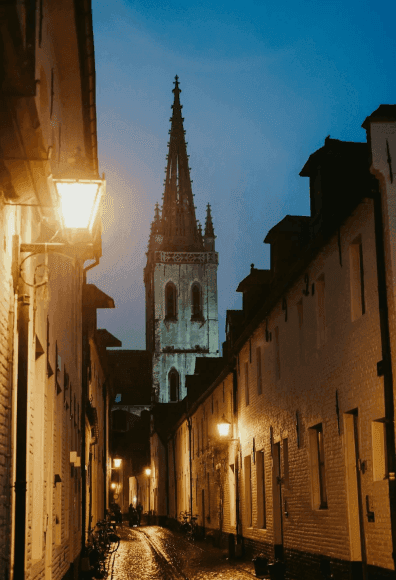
[209,231]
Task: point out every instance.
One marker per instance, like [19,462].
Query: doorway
[354,497]
[203,511]
[277,500]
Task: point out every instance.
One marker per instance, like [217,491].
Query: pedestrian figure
[132,515]
[139,509]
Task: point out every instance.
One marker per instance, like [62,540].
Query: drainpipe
[84,390]
[190,462]
[104,448]
[386,362]
[21,420]
[174,474]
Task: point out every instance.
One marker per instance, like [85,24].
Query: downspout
[190,462]
[84,396]
[9,561]
[174,474]
[386,363]
[21,420]
[105,449]
[84,390]
[167,479]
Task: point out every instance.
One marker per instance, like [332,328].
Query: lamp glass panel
[224,429]
[78,202]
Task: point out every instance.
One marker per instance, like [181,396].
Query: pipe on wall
[387,360]
[21,423]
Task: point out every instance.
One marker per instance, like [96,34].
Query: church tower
[180,276]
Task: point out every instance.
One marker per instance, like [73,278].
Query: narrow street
[155,553]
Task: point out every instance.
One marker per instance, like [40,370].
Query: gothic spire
[179,224]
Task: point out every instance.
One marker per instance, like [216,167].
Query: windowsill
[170,319]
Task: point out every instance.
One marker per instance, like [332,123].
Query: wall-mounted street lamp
[76,203]
[148,473]
[117,462]
[79,201]
[224,427]
[113,485]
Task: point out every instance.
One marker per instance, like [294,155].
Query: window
[379,451]
[248,490]
[170,301]
[260,475]
[318,472]
[300,314]
[247,383]
[208,483]
[173,385]
[259,379]
[277,354]
[358,306]
[320,311]
[286,462]
[196,302]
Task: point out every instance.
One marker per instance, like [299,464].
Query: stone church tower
[180,277]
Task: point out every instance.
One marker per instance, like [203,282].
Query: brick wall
[314,364]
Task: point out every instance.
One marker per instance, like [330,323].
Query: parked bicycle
[188,525]
[102,541]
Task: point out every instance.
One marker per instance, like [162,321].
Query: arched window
[174,382]
[170,300]
[196,301]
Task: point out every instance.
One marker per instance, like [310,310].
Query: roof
[106,339]
[131,372]
[95,298]
[255,278]
[333,147]
[289,224]
[383,114]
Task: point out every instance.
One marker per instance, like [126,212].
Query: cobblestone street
[155,553]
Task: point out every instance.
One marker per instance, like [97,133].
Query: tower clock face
[158,239]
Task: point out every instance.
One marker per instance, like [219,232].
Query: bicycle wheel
[113,543]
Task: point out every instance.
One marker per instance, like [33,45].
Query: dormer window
[196,302]
[170,301]
[174,382]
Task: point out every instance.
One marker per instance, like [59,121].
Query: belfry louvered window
[174,385]
[196,301]
[170,301]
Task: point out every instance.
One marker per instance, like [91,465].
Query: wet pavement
[155,553]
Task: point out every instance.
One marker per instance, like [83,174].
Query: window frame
[174,373]
[196,312]
[170,315]
[318,467]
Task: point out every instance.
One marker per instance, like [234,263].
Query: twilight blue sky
[263,84]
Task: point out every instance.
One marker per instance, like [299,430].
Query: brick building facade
[50,408]
[307,472]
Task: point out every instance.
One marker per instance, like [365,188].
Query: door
[203,510]
[277,500]
[354,497]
